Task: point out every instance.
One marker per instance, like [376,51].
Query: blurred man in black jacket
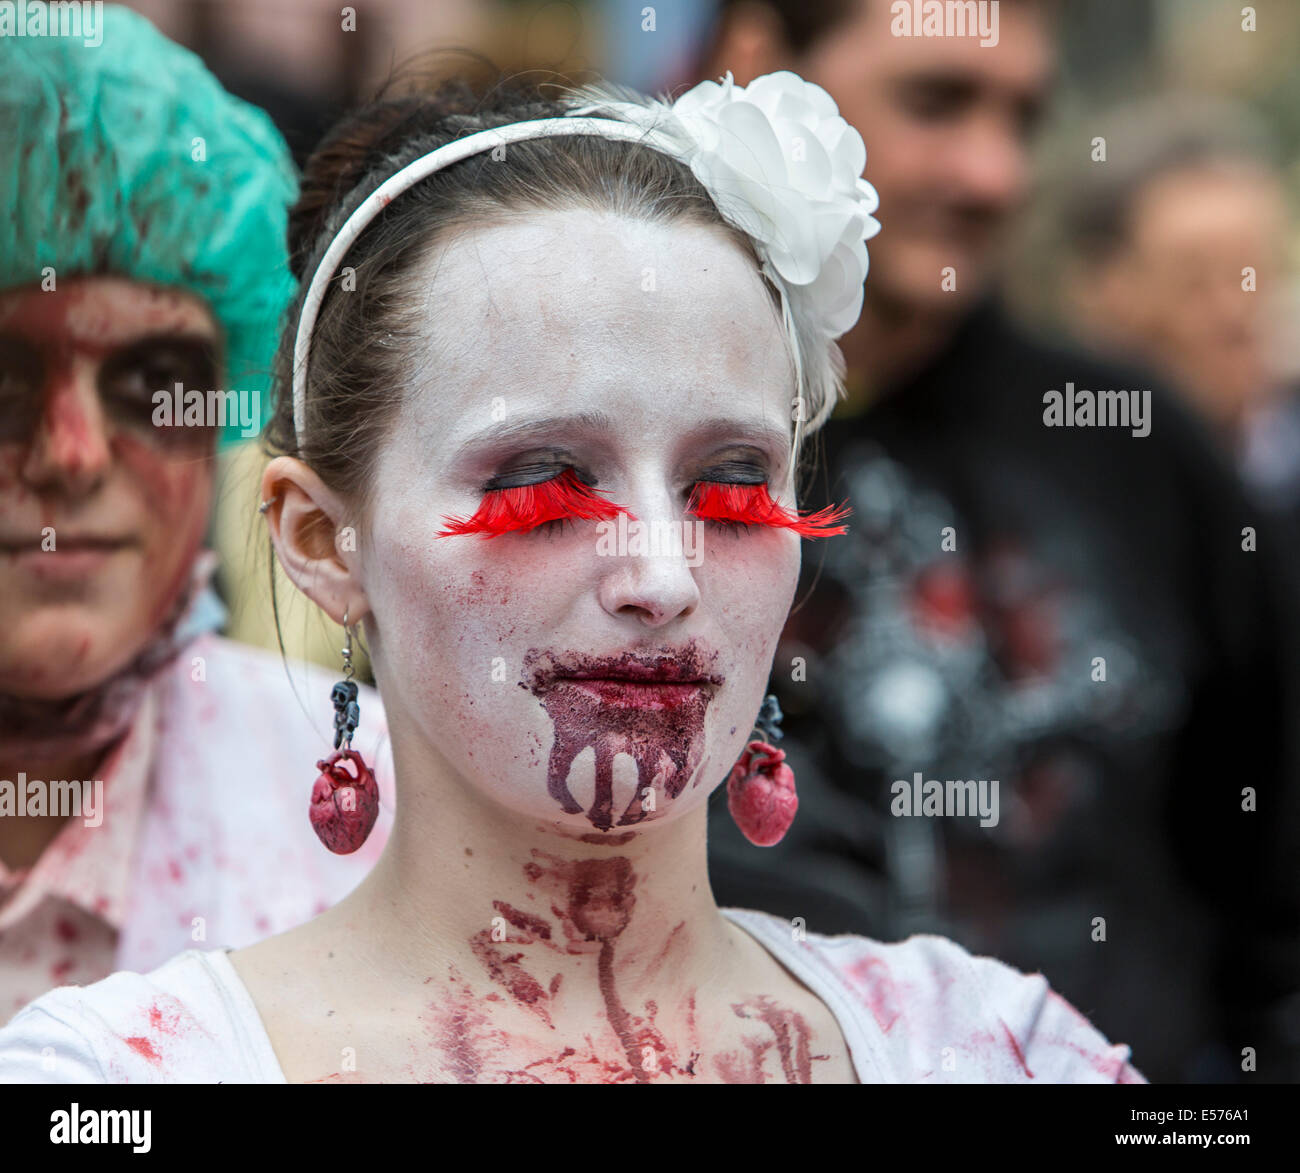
[1052,580]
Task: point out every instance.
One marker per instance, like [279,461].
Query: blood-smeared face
[101,511]
[596,674]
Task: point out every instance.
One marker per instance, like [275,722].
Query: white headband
[729,154]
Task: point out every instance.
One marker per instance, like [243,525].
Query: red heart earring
[344,803]
[760,788]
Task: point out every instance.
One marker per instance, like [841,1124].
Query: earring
[344,802]
[760,788]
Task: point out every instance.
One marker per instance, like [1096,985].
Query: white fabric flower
[783,166]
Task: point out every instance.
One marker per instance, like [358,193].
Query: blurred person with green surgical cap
[154,777]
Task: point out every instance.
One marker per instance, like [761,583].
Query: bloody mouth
[649,705]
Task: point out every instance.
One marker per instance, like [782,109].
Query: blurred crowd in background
[1131,252]
[1113,186]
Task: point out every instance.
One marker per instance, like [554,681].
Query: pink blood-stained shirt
[918,1011]
[204,834]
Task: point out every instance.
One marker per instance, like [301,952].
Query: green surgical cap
[127,158]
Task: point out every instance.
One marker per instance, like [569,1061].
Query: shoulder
[965,1017]
[182,1022]
[938,1014]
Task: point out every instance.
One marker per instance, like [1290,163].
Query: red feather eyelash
[524,507]
[753,505]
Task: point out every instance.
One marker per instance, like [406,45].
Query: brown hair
[359,344]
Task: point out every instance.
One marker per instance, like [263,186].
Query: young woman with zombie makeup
[597,314]
[128,267]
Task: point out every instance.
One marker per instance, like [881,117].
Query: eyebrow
[538,429]
[550,428]
[964,85]
[208,344]
[761,432]
[110,355]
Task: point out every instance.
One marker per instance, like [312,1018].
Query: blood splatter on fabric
[879,991]
[142,1046]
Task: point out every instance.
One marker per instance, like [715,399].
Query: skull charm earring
[344,801]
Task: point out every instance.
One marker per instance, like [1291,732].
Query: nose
[649,576]
[991,163]
[69,452]
[1238,317]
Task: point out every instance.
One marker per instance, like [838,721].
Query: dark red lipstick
[688,664]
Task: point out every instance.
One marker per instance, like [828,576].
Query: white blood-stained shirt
[921,1010]
[203,839]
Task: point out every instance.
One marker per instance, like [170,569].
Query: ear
[750,42]
[307,520]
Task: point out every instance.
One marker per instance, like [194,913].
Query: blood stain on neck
[791,1037]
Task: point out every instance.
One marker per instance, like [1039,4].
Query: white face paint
[658,351]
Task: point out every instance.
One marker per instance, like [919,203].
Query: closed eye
[731,504]
[523,507]
[550,503]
